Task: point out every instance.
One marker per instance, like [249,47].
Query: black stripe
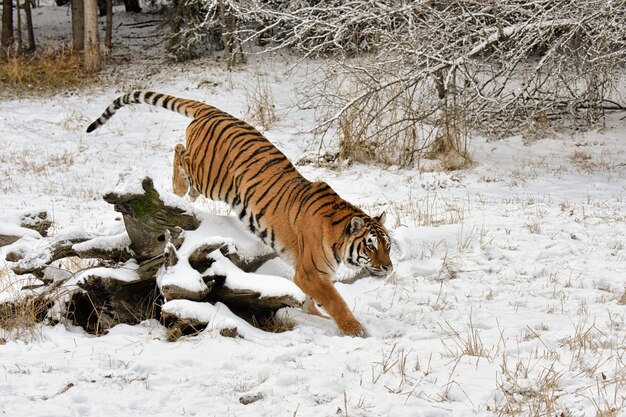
[157,97]
[166,102]
[343,219]
[331,193]
[261,212]
[335,254]
[326,204]
[219,172]
[202,167]
[303,188]
[309,197]
[327,261]
[296,182]
[280,192]
[316,267]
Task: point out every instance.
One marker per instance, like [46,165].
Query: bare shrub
[408,80]
[260,105]
[433,71]
[201,25]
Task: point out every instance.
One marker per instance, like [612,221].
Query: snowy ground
[508,299]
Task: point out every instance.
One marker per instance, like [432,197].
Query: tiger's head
[368,244]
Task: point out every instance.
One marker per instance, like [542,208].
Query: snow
[182,275]
[15,230]
[265,285]
[508,288]
[217,315]
[109,243]
[125,273]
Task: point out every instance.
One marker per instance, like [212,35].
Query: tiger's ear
[381,218]
[355,224]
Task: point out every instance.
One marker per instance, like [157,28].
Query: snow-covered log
[147,217]
[29,224]
[163,256]
[213,272]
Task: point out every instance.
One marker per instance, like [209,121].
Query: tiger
[307,223]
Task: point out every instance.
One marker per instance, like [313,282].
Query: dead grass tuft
[275,324]
[260,105]
[471,345]
[19,316]
[432,211]
[46,71]
[530,390]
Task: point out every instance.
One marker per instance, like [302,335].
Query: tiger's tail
[189,108]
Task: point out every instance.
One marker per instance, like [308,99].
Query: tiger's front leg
[322,290]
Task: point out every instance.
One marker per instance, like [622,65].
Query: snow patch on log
[213,317]
[125,273]
[265,285]
[9,229]
[248,246]
[181,281]
[201,313]
[107,243]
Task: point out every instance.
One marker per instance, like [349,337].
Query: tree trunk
[102,8]
[7,24]
[132,6]
[93,56]
[78,25]
[29,25]
[109,24]
[233,52]
[18,29]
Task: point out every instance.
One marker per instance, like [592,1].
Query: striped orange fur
[306,222]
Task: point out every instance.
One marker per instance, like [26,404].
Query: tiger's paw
[354,330]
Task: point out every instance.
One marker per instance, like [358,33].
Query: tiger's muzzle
[382,270]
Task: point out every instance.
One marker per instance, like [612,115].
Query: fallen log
[132,274]
[147,218]
[33,225]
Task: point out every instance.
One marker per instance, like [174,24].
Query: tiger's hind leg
[180,178]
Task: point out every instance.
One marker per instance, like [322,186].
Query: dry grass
[431,211]
[529,390]
[19,316]
[260,105]
[275,324]
[46,71]
[29,305]
[587,338]
[396,364]
[471,345]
